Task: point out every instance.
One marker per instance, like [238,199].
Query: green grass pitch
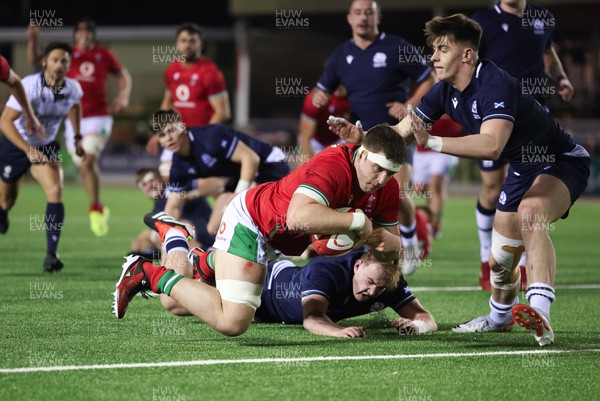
[65,319]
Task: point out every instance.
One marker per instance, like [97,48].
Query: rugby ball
[333,244]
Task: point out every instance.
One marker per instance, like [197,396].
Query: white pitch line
[290,360]
[477,288]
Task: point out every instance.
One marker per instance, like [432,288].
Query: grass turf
[65,319]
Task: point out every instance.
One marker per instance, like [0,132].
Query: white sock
[485,223]
[409,234]
[175,241]
[540,297]
[500,314]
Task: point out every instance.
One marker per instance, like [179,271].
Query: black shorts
[14,163]
[573,171]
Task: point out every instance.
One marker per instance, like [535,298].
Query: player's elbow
[492,153]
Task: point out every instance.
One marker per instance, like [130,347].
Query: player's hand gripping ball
[334,244]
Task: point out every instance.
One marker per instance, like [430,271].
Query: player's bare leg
[8,196]
[90,175]
[545,202]
[205,302]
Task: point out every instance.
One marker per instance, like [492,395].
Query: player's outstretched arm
[316,321]
[414,319]
[346,130]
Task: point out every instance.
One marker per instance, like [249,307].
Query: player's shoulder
[172,68]
[99,49]
[492,75]
[393,40]
[30,82]
[73,84]
[206,65]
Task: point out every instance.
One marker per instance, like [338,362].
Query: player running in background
[330,289]
[90,65]
[517,40]
[377,81]
[277,216]
[314,134]
[547,172]
[53,96]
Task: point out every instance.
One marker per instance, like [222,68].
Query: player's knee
[54,192]
[233,329]
[88,164]
[492,189]
[530,215]
[506,252]
[172,306]
[243,299]
[7,201]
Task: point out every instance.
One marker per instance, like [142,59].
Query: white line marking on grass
[284,360]
[476,288]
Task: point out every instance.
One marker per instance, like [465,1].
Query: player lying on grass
[548,172]
[330,289]
[276,216]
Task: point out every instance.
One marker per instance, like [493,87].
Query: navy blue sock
[54,218]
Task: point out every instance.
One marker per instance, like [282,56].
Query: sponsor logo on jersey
[379,60]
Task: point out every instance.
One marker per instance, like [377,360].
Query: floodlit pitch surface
[60,341]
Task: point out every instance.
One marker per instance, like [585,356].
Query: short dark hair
[90,25]
[383,139]
[191,28]
[57,45]
[457,27]
[162,118]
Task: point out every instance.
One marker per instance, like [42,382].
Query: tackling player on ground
[277,216]
[327,290]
